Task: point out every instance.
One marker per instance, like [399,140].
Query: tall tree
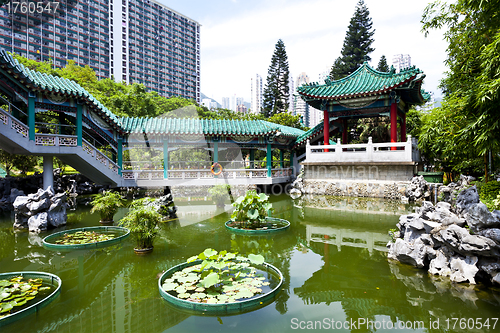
[357,43]
[472,84]
[382,64]
[277,92]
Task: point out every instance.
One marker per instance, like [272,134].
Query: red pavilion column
[394,123]
[344,131]
[326,129]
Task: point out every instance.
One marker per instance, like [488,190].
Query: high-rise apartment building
[139,41]
[256,94]
[401,61]
[310,116]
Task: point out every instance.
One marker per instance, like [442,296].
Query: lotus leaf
[180,289]
[169,286]
[200,289]
[183,295]
[244,293]
[209,253]
[256,259]
[211,300]
[210,280]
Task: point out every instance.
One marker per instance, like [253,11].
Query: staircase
[87,159]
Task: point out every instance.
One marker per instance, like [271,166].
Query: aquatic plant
[221,277]
[84,237]
[17,292]
[107,204]
[251,209]
[142,221]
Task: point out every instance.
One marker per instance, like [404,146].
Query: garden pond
[333,259]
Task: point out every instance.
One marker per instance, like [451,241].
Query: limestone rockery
[460,242]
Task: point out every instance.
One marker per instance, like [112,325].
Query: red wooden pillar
[344,131]
[394,123]
[326,129]
[403,127]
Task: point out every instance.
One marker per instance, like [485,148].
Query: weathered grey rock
[493,234]
[466,199]
[38,222]
[440,265]
[37,206]
[20,203]
[295,193]
[14,193]
[463,269]
[417,188]
[410,253]
[430,225]
[479,217]
[57,218]
[478,245]
[490,266]
[452,236]
[21,221]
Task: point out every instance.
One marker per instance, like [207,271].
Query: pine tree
[357,43]
[276,92]
[382,64]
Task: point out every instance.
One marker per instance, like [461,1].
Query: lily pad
[169,286]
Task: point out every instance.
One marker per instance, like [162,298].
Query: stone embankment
[40,211]
[461,242]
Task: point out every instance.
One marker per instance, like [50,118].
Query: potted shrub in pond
[142,221]
[219,194]
[107,204]
[251,214]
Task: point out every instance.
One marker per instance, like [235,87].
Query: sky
[238,38]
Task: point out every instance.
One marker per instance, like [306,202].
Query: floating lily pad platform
[29,297]
[272,225]
[86,238]
[223,303]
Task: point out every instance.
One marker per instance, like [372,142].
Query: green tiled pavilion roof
[163,125]
[54,84]
[301,139]
[365,81]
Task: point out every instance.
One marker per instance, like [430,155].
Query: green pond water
[333,259]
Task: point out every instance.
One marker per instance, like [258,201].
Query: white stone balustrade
[370,152]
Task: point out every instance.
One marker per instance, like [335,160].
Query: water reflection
[333,260]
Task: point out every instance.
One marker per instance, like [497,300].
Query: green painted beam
[79,126]
[31,118]
[269,160]
[165,158]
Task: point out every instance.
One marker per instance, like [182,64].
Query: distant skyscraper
[310,116]
[256,94]
[302,78]
[401,61]
[134,41]
[225,103]
[241,108]
[291,87]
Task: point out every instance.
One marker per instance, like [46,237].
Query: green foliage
[471,85]
[16,292]
[287,119]
[23,163]
[489,193]
[251,208]
[276,91]
[413,122]
[107,204]
[142,221]
[219,193]
[357,43]
[382,64]
[377,128]
[213,267]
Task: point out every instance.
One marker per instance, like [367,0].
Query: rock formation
[462,243]
[39,211]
